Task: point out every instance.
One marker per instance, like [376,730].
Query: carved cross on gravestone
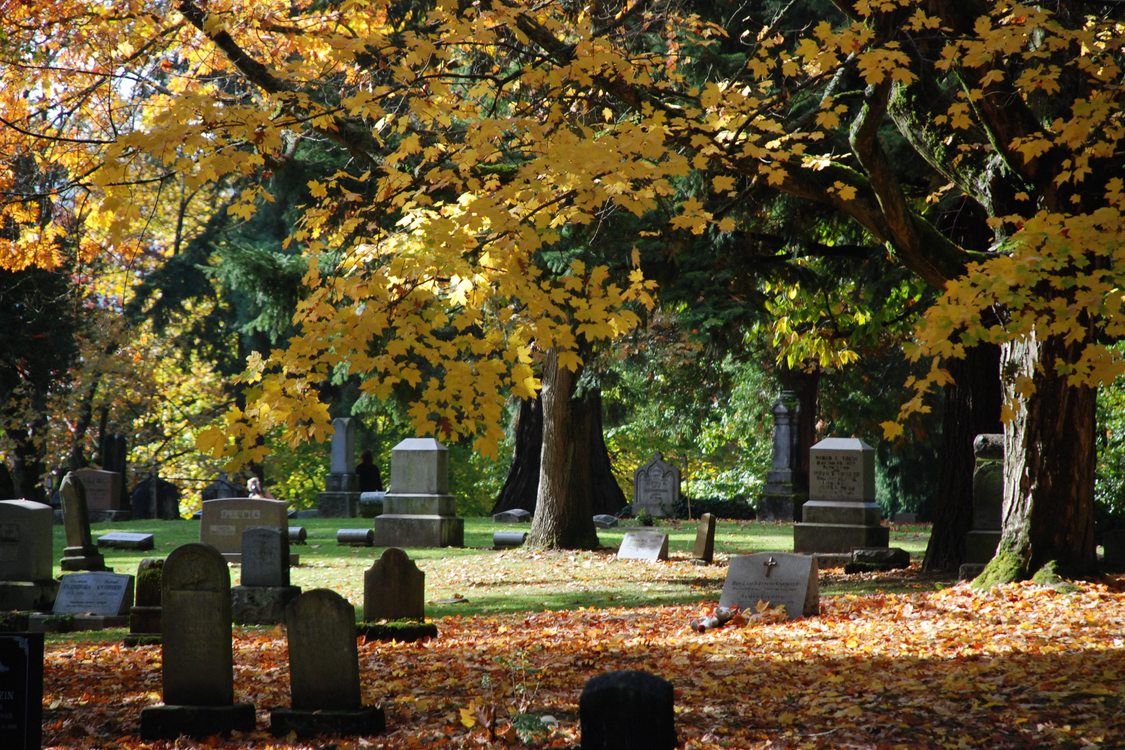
[769,564]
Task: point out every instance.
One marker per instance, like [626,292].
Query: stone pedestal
[82,558]
[261,605]
[341,496]
[841,514]
[169,722]
[418,511]
[784,492]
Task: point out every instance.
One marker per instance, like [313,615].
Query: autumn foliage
[1022,666]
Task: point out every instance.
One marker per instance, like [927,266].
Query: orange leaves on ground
[1021,666]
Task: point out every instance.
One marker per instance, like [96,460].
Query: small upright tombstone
[988,503]
[145,615]
[656,488]
[841,513]
[418,511]
[627,710]
[264,589]
[324,671]
[649,546]
[80,552]
[21,691]
[340,498]
[704,550]
[394,588]
[783,493]
[221,488]
[198,663]
[777,578]
[26,556]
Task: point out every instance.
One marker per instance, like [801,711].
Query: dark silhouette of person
[370,480]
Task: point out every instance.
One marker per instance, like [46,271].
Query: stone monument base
[809,538]
[980,546]
[337,504]
[197,722]
[27,595]
[307,723]
[419,531]
[146,620]
[261,605]
[782,507]
[83,558]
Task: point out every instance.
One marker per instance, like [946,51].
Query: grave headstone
[21,690]
[643,545]
[221,488]
[988,503]
[99,594]
[778,578]
[341,496]
[356,537]
[324,671]
[516,515]
[879,558]
[627,710]
[298,535]
[103,492]
[605,521]
[418,511]
[784,492]
[264,589]
[656,488]
[127,540]
[704,549]
[145,615]
[224,521]
[841,513]
[80,552]
[26,556]
[394,588]
[154,497]
[198,666]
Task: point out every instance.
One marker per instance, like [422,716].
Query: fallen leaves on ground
[1021,666]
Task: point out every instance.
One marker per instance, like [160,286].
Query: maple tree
[472,136]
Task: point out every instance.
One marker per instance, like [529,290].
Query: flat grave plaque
[102,594]
[643,545]
[127,540]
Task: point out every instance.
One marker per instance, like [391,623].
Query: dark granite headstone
[394,588]
[324,670]
[264,589]
[627,710]
[705,539]
[198,666]
[21,691]
[80,552]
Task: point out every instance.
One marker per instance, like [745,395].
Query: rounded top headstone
[195,566]
[989,445]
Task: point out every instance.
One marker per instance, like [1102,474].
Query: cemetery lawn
[892,661]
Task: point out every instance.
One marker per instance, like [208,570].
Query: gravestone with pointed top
[198,665]
[841,513]
[394,588]
[418,511]
[26,556]
[784,491]
[80,552]
[324,671]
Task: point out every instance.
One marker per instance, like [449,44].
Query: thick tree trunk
[522,484]
[564,508]
[972,407]
[1048,469]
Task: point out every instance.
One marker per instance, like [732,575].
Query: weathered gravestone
[627,710]
[988,503]
[80,552]
[221,488]
[101,595]
[264,589]
[516,515]
[155,498]
[704,549]
[103,493]
[371,503]
[605,521]
[145,615]
[21,691]
[643,545]
[394,588]
[26,556]
[224,521]
[341,496]
[198,665]
[784,492]
[323,671]
[127,540]
[656,488]
[355,537]
[418,511]
[777,578]
[841,513]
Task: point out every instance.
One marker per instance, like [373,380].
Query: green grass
[476,579]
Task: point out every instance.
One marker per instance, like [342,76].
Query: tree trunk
[1048,468]
[522,483]
[972,407]
[564,504]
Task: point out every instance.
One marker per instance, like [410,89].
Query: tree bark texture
[1049,467]
[972,407]
[564,505]
[522,484]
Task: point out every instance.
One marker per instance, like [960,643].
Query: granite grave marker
[778,578]
[394,588]
[643,545]
[26,556]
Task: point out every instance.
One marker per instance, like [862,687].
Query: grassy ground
[477,579]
